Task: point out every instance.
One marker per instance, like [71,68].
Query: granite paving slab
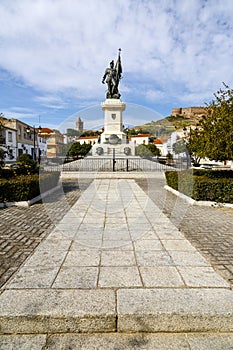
[51,310]
[113,341]
[175,310]
[116,262]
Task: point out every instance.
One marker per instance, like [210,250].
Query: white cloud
[182,47]
[17,115]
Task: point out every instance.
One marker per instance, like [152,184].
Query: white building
[140,139]
[90,140]
[8,143]
[24,139]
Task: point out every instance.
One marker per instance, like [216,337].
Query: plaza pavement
[115,263]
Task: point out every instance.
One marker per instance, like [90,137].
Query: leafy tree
[217,128]
[26,165]
[179,147]
[91,133]
[77,150]
[143,151]
[196,147]
[147,151]
[153,149]
[169,156]
[85,148]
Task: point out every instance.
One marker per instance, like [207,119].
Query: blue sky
[175,53]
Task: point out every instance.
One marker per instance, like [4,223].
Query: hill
[164,127]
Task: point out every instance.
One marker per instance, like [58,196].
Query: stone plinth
[113,109]
[113,141]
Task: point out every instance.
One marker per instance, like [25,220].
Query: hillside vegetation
[164,127]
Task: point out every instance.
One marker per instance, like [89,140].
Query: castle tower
[79,124]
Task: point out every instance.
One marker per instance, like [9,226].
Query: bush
[172,179]
[143,152]
[26,165]
[199,186]
[6,173]
[214,174]
[206,189]
[23,188]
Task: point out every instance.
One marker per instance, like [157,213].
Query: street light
[28,130]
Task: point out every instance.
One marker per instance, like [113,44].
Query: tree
[143,151]
[192,149]
[217,128]
[147,151]
[27,165]
[77,150]
[153,149]
[196,147]
[179,147]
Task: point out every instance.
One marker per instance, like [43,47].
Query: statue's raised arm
[112,77]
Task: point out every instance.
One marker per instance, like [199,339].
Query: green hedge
[23,188]
[216,190]
[214,174]
[200,187]
[6,173]
[172,179]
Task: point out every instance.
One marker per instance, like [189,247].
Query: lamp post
[28,130]
[188,161]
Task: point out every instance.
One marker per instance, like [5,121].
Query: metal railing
[105,164]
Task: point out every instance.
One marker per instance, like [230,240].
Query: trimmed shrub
[23,188]
[172,178]
[203,187]
[6,173]
[214,174]
[217,190]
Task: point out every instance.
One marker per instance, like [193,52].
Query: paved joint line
[51,286]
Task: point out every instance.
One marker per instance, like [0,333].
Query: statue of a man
[112,77]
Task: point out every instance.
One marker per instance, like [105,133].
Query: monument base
[113,141]
[108,150]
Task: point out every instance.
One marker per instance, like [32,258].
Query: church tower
[79,124]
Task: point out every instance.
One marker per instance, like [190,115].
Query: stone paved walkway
[115,262]
[22,229]
[210,230]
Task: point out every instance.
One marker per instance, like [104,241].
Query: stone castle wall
[189,112]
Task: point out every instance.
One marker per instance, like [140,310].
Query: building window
[9,136]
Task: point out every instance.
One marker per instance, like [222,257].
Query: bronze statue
[113,75]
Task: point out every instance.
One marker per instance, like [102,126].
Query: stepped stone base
[127,310]
[112,341]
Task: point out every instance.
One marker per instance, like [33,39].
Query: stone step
[57,311]
[113,341]
[175,310]
[38,311]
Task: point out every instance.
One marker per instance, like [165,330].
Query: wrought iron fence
[103,164]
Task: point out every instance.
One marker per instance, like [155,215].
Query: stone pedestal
[113,139]
[113,109]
